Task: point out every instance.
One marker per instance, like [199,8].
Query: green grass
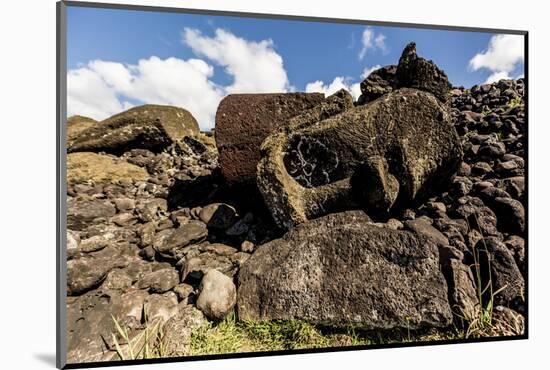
[233,336]
[516,102]
[230,336]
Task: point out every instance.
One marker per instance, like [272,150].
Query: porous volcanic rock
[307,170]
[411,72]
[378,83]
[244,120]
[116,225]
[418,73]
[148,127]
[76,125]
[340,270]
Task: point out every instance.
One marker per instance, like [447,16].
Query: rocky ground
[159,242]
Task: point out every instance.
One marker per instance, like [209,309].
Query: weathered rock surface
[76,125]
[309,170]
[159,281]
[243,121]
[116,225]
[198,261]
[418,73]
[463,295]
[89,270]
[411,72]
[500,272]
[378,83]
[217,295]
[171,245]
[81,213]
[317,272]
[178,329]
[218,216]
[148,127]
[90,324]
[422,227]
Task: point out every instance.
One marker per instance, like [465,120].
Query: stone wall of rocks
[158,231]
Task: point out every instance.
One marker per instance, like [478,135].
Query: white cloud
[503,55]
[97,89]
[368,70]
[100,88]
[497,76]
[89,95]
[355,90]
[336,84]
[341,82]
[254,66]
[370,41]
[366,39]
[380,43]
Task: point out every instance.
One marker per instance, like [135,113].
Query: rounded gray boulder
[217,296]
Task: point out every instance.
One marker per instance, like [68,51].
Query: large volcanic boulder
[418,73]
[412,71]
[378,83]
[76,125]
[340,270]
[402,145]
[244,120]
[151,127]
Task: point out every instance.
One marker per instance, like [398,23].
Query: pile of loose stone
[139,244]
[159,231]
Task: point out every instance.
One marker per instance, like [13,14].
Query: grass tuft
[147,344]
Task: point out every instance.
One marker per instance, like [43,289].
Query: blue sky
[112,65]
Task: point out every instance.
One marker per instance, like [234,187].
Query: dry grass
[98,168]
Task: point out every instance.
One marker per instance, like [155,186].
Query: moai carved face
[376,156]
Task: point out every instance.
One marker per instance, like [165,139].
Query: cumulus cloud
[103,88]
[89,95]
[254,66]
[368,70]
[341,82]
[100,89]
[503,55]
[372,41]
[332,87]
[497,76]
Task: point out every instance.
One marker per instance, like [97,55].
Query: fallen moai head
[380,156]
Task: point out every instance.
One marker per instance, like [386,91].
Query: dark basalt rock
[499,271]
[418,73]
[378,83]
[317,271]
[411,72]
